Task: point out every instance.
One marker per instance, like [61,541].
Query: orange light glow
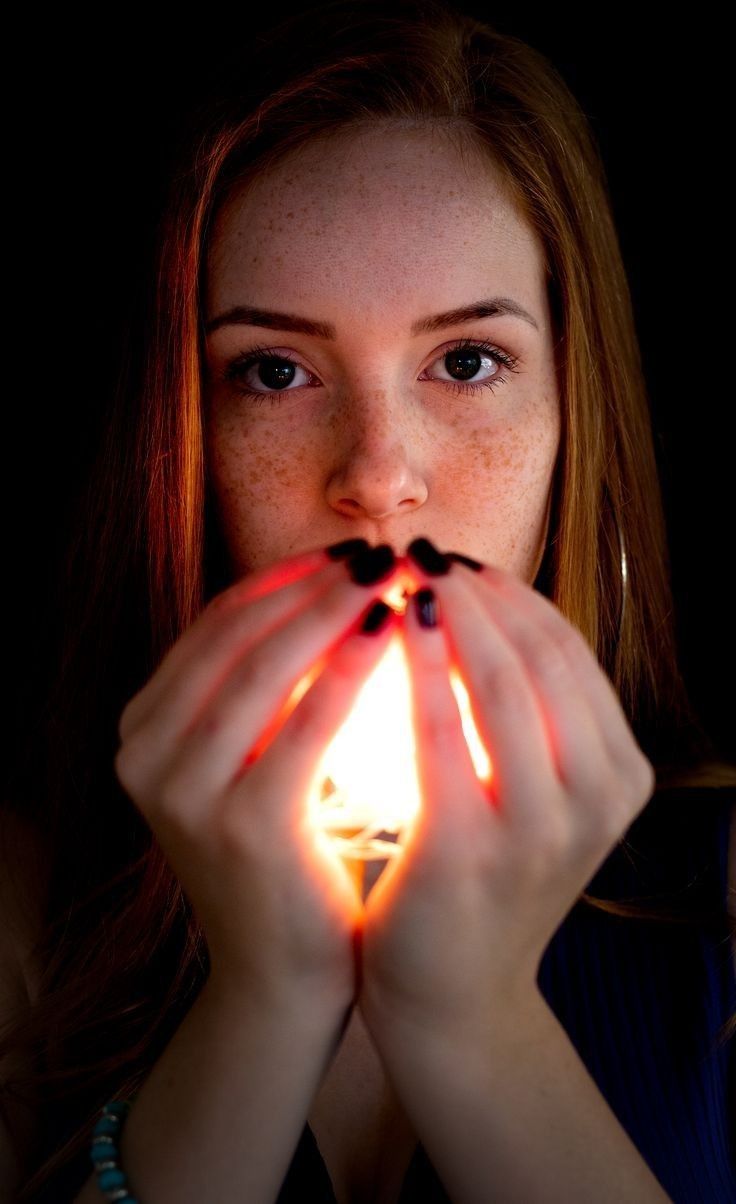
[366,790]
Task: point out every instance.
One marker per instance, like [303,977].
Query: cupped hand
[218,752]
[458,922]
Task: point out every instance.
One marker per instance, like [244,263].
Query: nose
[376,476]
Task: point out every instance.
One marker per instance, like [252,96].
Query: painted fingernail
[348,547]
[428,557]
[427,609]
[375,618]
[475,565]
[370,565]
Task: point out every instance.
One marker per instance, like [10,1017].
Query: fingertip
[344,549]
[476,566]
[426,647]
[376,618]
[425,608]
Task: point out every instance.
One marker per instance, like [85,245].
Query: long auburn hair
[122,954]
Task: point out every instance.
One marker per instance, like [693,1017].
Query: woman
[389,306]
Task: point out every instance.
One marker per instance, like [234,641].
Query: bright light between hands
[366,790]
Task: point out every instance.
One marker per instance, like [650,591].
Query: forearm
[517,1118]
[221,1112]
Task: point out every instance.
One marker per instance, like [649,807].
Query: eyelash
[238,367]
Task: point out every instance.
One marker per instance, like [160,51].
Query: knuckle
[128,765]
[130,715]
[547,658]
[612,816]
[611,822]
[634,774]
[648,777]
[502,679]
[644,778]
[254,672]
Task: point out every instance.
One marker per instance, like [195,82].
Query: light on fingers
[366,791]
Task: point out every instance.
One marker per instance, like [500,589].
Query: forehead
[395,216]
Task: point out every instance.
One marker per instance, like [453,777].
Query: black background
[93,119]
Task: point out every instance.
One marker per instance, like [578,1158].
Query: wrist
[307,1010]
[483,1024]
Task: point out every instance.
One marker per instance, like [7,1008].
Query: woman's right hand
[220,769]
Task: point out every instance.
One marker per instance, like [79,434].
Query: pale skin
[371,234]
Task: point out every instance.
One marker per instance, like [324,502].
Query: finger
[580,753]
[505,708]
[226,627]
[202,755]
[593,681]
[454,801]
[283,778]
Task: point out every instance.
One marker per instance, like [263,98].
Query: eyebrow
[246,315]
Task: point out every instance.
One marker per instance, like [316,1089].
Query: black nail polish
[427,608]
[348,547]
[428,557]
[371,564]
[375,618]
[475,565]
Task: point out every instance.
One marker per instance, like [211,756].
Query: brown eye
[262,367]
[467,359]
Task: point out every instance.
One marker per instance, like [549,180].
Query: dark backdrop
[97,105]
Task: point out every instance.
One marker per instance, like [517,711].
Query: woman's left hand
[457,924]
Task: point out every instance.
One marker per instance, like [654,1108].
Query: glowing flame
[366,790]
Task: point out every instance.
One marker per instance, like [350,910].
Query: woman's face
[367,423]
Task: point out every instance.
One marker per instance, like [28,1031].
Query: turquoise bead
[107,1124]
[117,1107]
[107,1179]
[102,1151]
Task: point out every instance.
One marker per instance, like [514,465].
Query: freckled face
[377,432]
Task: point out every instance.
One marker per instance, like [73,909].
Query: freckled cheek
[509,455]
[253,467]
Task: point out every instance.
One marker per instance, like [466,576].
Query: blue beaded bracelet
[111,1178]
